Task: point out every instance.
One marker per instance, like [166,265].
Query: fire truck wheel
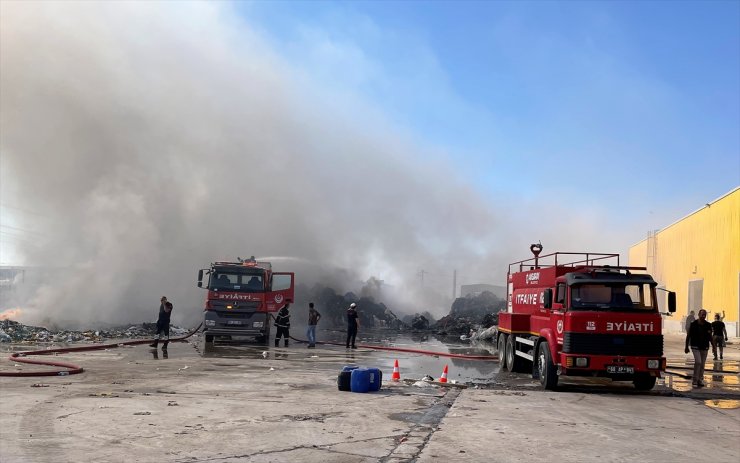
[548,374]
[502,351]
[209,338]
[514,363]
[644,382]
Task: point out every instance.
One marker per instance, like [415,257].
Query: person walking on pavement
[353,322]
[699,337]
[163,323]
[689,320]
[719,334]
[313,319]
[282,322]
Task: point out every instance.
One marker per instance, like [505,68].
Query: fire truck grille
[219,305]
[610,344]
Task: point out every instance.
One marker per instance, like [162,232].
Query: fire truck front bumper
[235,323]
[611,366]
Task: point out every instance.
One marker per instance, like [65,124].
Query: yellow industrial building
[698,257]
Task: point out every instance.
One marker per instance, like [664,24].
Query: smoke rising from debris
[150,139]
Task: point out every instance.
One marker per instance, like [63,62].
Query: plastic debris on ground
[423,384]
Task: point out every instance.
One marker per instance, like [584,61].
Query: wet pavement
[250,402]
[411,365]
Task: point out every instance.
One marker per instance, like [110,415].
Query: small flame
[10,314]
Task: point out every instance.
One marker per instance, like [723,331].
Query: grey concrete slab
[498,426]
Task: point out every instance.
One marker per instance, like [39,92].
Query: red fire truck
[575,314]
[241,297]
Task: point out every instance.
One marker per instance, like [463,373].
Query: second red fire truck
[582,314]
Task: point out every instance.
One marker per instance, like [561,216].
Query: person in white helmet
[353,322]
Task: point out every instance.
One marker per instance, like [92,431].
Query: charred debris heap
[12,331]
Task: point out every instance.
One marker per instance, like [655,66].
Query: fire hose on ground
[403,349]
[71,369]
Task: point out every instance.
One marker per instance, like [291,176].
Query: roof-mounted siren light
[251,262]
[536,250]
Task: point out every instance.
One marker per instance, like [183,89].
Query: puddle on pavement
[411,365]
[727,404]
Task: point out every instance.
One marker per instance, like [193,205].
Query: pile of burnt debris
[470,314]
[12,331]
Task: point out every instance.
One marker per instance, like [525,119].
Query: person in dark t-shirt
[719,334]
[699,337]
[313,319]
[163,323]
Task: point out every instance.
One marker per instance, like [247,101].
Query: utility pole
[454,284]
[421,274]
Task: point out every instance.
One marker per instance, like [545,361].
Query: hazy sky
[633,105]
[140,141]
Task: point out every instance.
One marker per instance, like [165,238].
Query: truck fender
[546,334]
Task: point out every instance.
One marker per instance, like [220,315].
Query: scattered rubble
[470,314]
[12,331]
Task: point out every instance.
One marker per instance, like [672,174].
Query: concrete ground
[241,406]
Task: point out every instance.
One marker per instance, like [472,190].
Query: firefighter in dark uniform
[282,322]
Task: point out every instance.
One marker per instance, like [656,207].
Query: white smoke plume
[150,139]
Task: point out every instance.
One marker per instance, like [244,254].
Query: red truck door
[281,290]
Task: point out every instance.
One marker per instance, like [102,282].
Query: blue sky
[635,102]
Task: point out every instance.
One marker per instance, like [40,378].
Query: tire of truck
[209,338]
[514,363]
[263,339]
[548,374]
[502,351]
[644,381]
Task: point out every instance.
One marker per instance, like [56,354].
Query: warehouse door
[696,291]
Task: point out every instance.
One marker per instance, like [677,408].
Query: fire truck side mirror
[547,297]
[671,302]
[200,278]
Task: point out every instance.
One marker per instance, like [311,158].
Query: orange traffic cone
[396,374]
[443,379]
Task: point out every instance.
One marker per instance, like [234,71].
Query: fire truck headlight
[653,364]
[258,324]
[210,322]
[582,361]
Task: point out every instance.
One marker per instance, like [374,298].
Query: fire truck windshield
[614,297]
[232,281]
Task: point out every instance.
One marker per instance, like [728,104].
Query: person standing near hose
[313,319]
[699,337]
[720,336]
[163,323]
[282,322]
[353,322]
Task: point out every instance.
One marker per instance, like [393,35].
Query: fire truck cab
[241,296]
[574,314]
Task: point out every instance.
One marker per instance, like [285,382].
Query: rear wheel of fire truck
[514,363]
[502,351]
[209,339]
[644,381]
[548,374]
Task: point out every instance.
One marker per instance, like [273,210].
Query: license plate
[234,322]
[619,369]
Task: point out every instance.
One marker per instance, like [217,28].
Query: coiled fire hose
[71,369]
